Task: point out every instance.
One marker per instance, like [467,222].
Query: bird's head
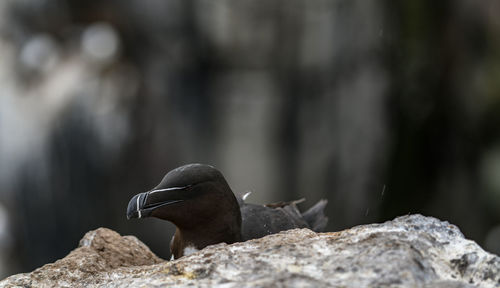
[188,196]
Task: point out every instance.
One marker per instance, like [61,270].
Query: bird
[198,200]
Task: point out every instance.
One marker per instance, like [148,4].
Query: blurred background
[384,108]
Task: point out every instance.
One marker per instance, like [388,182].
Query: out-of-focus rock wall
[383,109]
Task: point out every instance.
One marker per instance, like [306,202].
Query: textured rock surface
[410,251]
[99,251]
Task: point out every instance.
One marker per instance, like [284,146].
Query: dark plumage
[198,200]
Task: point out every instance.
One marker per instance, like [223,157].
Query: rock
[99,251]
[410,251]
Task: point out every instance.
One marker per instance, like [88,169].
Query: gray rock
[410,251]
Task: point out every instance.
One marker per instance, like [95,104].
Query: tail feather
[315,216]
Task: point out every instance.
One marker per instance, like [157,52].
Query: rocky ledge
[410,251]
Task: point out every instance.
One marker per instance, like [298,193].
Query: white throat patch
[190,250]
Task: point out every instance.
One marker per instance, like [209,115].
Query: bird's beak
[143,204]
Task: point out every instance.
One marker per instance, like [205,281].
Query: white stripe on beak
[138,210]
